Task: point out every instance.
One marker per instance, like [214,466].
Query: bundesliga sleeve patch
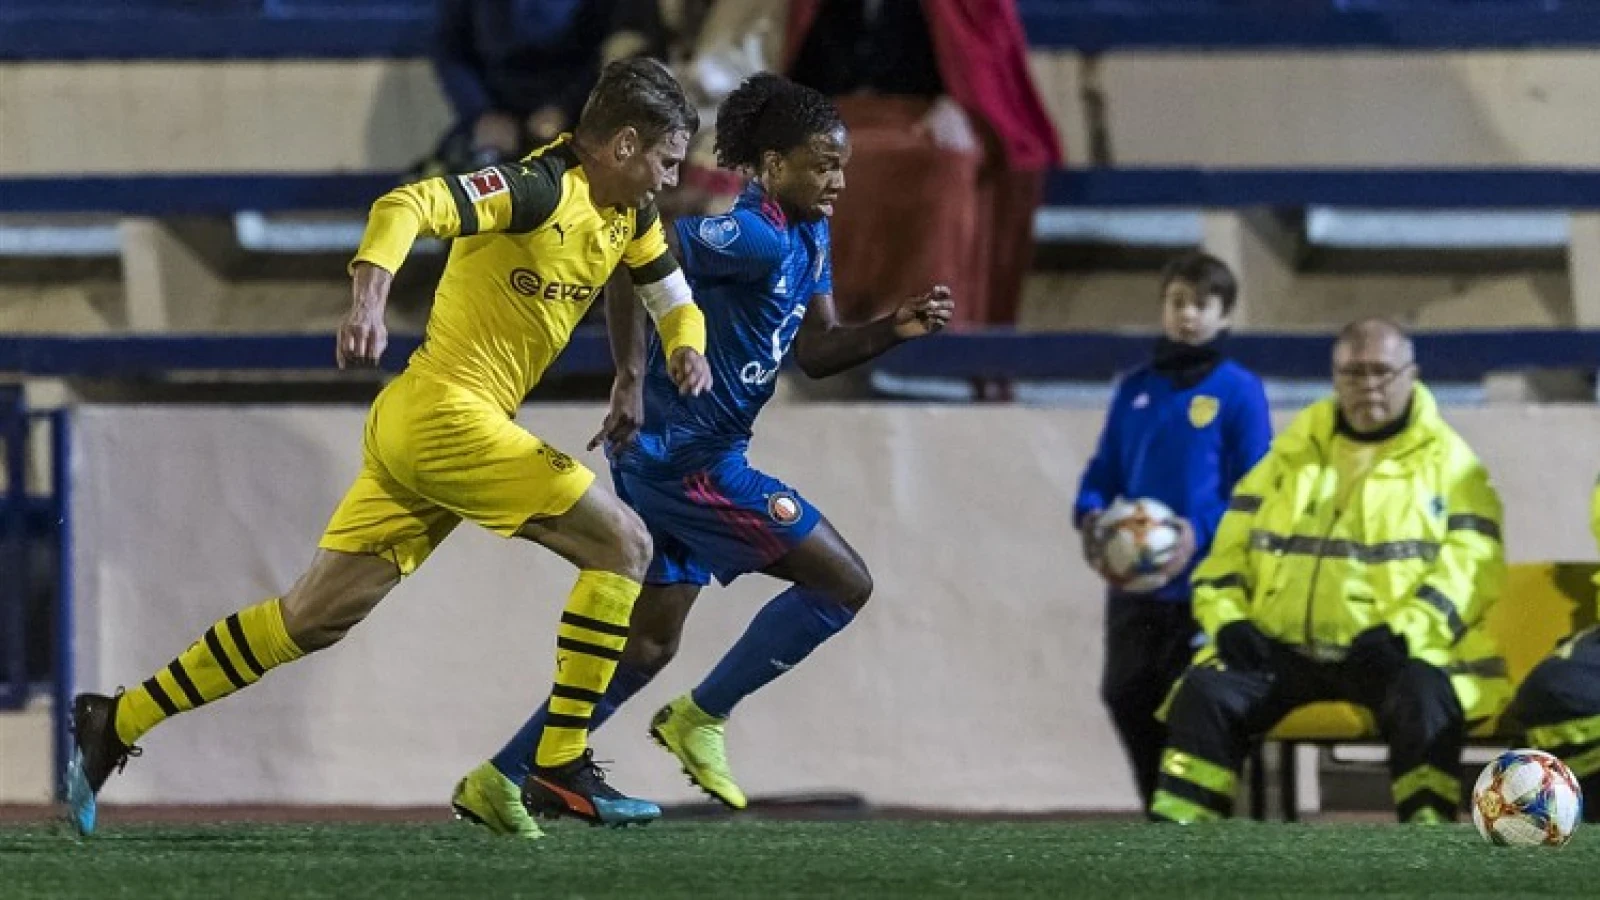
[483,183]
[718,232]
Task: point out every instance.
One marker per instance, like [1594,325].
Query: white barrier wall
[970,682]
[245,116]
[1357,109]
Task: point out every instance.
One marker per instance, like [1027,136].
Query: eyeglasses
[1361,372]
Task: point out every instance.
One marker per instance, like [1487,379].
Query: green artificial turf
[786,859]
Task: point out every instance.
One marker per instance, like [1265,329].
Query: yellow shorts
[435,454]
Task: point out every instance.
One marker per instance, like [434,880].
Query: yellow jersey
[531,253]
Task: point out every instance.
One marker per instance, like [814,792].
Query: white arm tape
[661,297]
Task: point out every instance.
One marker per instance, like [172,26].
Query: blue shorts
[725,520]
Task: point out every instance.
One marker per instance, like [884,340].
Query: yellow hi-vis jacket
[1417,548]
[1594,529]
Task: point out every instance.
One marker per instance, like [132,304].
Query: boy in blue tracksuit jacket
[1182,429]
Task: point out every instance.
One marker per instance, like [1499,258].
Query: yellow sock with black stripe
[232,654]
[589,642]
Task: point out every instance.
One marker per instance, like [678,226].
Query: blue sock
[785,631]
[515,759]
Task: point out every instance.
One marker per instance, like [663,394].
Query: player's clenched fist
[924,315]
[362,334]
[689,371]
[362,337]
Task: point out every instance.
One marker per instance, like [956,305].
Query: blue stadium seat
[207,29]
[126,9]
[372,9]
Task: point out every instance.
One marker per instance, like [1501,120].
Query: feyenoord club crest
[784,508]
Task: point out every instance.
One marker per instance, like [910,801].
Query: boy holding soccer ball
[1182,429]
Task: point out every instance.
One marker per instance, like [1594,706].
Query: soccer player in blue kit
[762,276]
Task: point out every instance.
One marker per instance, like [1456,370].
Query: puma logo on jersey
[561,232]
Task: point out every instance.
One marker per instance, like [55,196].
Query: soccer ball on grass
[1527,798]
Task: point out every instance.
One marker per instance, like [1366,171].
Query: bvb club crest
[559,461]
[1203,410]
[617,233]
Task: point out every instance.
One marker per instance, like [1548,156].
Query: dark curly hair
[770,112]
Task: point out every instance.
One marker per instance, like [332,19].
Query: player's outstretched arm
[665,294]
[428,208]
[513,198]
[362,334]
[399,217]
[824,347]
[626,329]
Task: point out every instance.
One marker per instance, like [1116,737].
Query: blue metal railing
[997,353]
[14,586]
[63,684]
[24,522]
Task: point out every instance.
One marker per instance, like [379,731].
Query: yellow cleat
[492,800]
[696,738]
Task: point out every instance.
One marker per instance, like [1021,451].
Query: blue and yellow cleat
[579,789]
[697,739]
[96,753]
[485,796]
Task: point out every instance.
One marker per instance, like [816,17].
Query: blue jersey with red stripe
[753,272]
[709,512]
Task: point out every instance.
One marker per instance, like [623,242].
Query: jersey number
[754,372]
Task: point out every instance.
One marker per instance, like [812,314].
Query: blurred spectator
[711,46]
[1559,703]
[1355,562]
[951,145]
[516,73]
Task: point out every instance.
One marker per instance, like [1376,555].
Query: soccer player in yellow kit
[535,242]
